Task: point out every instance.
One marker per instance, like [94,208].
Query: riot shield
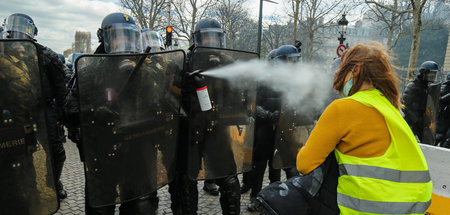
[221,140]
[129,121]
[293,129]
[430,115]
[26,182]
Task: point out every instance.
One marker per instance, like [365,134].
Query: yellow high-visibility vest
[397,182]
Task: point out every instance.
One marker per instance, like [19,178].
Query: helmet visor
[153,40]
[210,37]
[292,58]
[21,25]
[121,38]
[431,76]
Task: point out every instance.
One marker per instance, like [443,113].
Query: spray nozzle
[196,72]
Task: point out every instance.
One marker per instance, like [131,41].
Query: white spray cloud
[303,85]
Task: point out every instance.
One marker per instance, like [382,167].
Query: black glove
[274,116]
[267,115]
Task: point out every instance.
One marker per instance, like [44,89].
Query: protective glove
[267,115]
[275,116]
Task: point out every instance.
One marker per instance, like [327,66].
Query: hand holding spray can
[202,91]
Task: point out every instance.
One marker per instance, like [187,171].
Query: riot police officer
[184,193]
[274,174]
[415,97]
[443,121]
[268,107]
[120,35]
[17,26]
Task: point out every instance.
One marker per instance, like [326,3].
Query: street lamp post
[258,47]
[342,28]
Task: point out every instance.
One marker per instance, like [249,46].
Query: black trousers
[58,153]
[146,205]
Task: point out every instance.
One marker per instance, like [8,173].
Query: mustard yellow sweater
[351,127]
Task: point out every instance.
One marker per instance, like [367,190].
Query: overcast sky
[57,20]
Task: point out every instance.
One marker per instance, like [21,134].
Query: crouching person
[382,169]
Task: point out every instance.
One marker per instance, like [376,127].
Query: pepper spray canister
[202,93]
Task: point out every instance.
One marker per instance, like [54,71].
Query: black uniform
[443,121]
[267,114]
[183,189]
[415,100]
[143,205]
[54,88]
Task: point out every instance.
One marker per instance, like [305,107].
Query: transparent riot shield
[129,123]
[221,139]
[430,115]
[26,182]
[294,127]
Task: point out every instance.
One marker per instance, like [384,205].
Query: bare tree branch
[148,13]
[388,8]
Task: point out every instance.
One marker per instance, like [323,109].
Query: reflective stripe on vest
[397,182]
[377,207]
[385,173]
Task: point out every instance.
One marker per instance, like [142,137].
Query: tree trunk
[389,39]
[230,36]
[310,47]
[415,43]
[193,21]
[297,8]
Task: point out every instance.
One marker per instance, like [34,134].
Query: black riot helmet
[428,71]
[19,26]
[271,55]
[209,33]
[151,39]
[288,53]
[120,34]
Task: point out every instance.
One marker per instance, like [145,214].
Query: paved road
[73,179]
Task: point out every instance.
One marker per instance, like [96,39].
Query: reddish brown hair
[369,63]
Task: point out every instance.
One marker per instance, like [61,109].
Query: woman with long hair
[382,169]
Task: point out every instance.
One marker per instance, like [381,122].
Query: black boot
[62,193]
[210,187]
[253,205]
[184,195]
[59,156]
[230,195]
[247,177]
